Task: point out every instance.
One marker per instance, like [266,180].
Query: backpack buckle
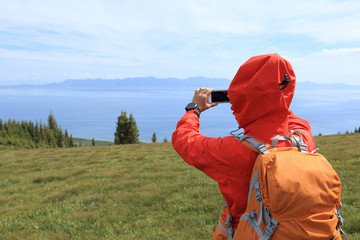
[302,147]
[262,148]
[253,214]
[270,228]
[227,222]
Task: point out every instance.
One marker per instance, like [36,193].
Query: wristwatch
[193,106]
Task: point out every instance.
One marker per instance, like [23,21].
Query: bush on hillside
[154,137]
[26,134]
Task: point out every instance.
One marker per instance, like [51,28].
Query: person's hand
[200,98]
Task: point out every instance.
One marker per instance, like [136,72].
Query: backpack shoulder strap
[300,141]
[253,143]
[260,146]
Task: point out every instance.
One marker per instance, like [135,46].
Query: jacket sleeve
[204,153]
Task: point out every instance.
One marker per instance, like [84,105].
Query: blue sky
[51,41]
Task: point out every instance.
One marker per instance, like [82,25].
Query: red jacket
[262,110]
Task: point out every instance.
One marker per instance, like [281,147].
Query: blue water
[93,114]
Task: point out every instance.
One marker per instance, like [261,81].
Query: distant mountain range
[142,83]
[136,83]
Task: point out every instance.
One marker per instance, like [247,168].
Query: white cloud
[173,38]
[339,52]
[185,17]
[329,66]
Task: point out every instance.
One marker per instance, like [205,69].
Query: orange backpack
[293,194]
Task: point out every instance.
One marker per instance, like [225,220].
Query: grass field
[142,191]
[88,142]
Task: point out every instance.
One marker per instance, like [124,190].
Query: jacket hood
[258,104]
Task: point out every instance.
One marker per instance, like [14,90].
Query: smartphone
[218,96]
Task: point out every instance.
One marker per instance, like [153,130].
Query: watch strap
[197,111]
[193,107]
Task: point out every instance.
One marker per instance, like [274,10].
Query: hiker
[260,95]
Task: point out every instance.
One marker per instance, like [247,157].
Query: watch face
[191,106]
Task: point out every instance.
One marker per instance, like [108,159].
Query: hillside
[88,142]
[142,191]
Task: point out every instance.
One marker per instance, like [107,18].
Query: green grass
[140,191]
[88,142]
[143,191]
[343,151]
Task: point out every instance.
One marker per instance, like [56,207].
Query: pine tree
[166,140]
[52,122]
[66,139]
[116,140]
[37,134]
[31,130]
[50,138]
[71,141]
[126,130]
[8,128]
[59,138]
[121,129]
[154,138]
[93,142]
[133,130]
[41,131]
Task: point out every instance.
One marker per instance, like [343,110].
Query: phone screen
[219,96]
